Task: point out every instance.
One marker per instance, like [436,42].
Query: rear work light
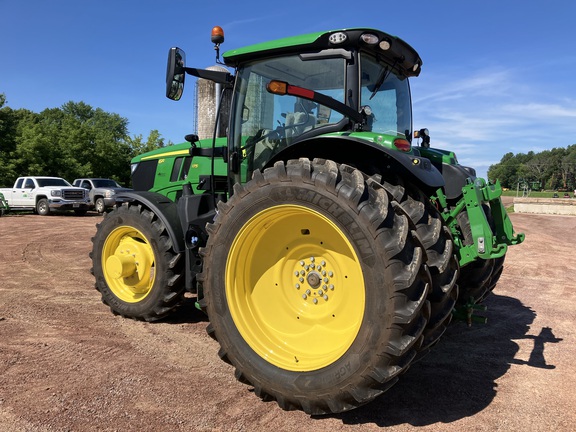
[402,144]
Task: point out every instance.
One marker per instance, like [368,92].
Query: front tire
[441,256]
[315,286]
[42,207]
[99,205]
[136,268]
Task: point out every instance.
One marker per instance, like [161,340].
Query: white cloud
[485,114]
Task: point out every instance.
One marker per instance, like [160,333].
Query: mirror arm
[218,77]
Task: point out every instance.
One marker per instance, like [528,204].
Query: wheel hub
[314,278]
[128,264]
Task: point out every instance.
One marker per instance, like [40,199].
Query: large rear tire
[315,286]
[136,268]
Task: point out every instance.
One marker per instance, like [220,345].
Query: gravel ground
[68,364]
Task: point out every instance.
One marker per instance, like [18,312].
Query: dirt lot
[68,364]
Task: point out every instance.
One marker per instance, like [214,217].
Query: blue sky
[498,76]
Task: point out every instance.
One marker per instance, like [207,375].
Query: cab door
[23,194]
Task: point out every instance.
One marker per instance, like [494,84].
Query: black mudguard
[164,208]
[366,156]
[456,177]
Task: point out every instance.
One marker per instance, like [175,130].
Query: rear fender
[368,157]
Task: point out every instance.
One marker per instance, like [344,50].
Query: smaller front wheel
[42,207]
[137,270]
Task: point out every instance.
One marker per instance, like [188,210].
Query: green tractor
[327,249]
[3,204]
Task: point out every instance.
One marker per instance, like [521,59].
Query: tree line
[550,169]
[75,140]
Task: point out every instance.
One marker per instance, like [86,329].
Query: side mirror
[175,73]
[424,135]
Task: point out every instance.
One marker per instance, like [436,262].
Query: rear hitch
[466,312]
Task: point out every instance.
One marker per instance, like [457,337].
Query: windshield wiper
[381,78]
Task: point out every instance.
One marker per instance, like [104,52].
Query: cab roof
[394,49]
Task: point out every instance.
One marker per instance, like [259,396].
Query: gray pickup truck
[102,191]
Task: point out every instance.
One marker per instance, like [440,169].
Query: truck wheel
[478,278]
[136,268]
[441,256]
[42,207]
[315,286]
[99,205]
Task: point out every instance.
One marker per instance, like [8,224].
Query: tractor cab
[304,92]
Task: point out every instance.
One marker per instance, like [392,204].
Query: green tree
[506,171]
[554,169]
[153,142]
[72,141]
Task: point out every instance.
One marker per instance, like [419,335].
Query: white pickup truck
[44,194]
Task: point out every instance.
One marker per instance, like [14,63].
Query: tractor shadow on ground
[187,313]
[457,379]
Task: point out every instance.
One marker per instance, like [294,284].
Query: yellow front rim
[295,288]
[128,264]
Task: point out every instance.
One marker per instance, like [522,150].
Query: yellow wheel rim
[295,288]
[128,264]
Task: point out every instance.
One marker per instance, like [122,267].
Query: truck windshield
[102,183]
[387,95]
[52,182]
[266,123]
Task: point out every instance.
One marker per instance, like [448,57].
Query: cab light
[217,36]
[369,38]
[402,144]
[277,87]
[384,45]
[337,38]
[283,88]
